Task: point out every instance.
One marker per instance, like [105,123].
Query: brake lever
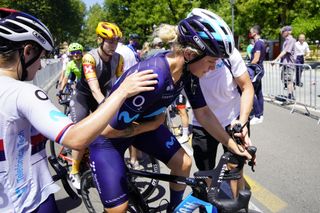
[252,151]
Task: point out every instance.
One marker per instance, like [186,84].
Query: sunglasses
[77,52]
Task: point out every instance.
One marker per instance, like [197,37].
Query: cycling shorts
[108,166]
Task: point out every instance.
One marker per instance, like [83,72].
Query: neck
[9,72]
[176,63]
[256,37]
[103,55]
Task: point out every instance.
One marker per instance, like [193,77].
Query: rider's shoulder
[88,59]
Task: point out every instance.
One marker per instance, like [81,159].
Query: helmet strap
[25,65]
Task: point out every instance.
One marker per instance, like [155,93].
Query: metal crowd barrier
[306,95]
[49,73]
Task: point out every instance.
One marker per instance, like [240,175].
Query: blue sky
[91,2]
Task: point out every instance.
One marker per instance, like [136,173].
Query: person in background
[286,57]
[129,58]
[301,50]
[28,118]
[73,70]
[258,54]
[134,44]
[101,67]
[249,49]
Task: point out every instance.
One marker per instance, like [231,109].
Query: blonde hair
[169,34]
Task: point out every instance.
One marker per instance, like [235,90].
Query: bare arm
[134,128]
[256,57]
[95,90]
[83,133]
[211,124]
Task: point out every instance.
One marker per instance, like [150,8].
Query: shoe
[256,120]
[136,166]
[184,142]
[75,180]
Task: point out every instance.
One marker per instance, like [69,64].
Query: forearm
[97,94]
[280,55]
[83,133]
[63,83]
[246,104]
[132,130]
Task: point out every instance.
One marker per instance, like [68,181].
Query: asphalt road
[287,172]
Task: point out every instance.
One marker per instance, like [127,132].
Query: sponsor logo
[170,143]
[138,101]
[126,117]
[157,112]
[41,95]
[187,207]
[39,37]
[55,115]
[199,42]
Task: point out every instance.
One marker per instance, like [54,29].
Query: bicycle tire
[89,193]
[145,185]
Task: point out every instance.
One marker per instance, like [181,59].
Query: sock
[185,131]
[75,166]
[175,198]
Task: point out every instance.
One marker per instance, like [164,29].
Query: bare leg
[118,209]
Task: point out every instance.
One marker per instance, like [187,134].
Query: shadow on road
[68,204]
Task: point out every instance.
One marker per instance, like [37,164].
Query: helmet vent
[15,27]
[4,31]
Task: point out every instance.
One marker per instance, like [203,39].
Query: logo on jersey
[55,115]
[170,143]
[41,95]
[157,112]
[138,101]
[126,117]
[170,87]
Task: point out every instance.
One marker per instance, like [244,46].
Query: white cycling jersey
[27,118]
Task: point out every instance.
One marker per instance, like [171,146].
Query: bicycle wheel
[148,163]
[89,193]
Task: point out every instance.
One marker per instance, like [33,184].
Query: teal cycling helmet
[75,47]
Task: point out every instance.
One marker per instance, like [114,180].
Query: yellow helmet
[108,30]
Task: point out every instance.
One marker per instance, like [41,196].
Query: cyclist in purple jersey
[195,52]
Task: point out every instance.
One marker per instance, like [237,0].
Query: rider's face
[110,45]
[35,66]
[202,66]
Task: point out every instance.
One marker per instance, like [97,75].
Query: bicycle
[61,162]
[202,195]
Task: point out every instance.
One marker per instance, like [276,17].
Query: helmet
[207,32]
[108,30]
[17,27]
[75,47]
[134,36]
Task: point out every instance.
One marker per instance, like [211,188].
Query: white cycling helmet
[208,32]
[18,27]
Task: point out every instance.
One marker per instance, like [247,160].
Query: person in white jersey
[220,91]
[27,116]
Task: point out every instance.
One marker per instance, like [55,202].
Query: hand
[242,135]
[139,82]
[59,94]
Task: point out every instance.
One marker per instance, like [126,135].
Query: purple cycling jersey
[148,104]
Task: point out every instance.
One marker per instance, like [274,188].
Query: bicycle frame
[199,196]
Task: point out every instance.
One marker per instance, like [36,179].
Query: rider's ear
[27,49]
[188,54]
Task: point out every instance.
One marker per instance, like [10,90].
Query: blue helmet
[206,32]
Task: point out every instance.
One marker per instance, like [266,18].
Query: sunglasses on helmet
[76,52]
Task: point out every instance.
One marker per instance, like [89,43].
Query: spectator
[133,45]
[249,49]
[286,57]
[301,50]
[258,54]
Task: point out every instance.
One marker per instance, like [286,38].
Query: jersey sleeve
[238,67]
[68,69]
[89,67]
[194,93]
[34,105]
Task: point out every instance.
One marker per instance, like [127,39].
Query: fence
[49,73]
[307,94]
